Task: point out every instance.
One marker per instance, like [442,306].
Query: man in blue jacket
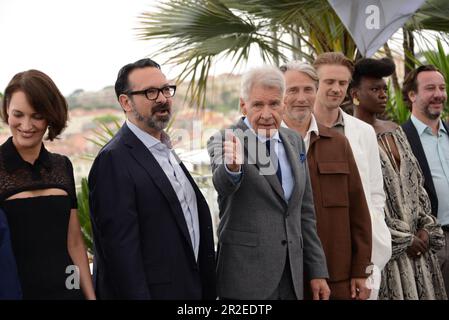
[9,280]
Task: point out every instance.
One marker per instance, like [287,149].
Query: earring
[355,101]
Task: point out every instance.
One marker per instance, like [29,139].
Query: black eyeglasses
[153,93]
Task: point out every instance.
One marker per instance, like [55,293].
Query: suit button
[284,242]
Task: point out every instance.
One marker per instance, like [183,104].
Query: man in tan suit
[343,219]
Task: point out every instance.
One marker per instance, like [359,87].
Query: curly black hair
[373,68]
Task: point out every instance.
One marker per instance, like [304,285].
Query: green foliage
[104,133]
[196,34]
[102,136]
[84,215]
[397,109]
[433,15]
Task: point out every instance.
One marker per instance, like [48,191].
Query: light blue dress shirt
[436,148]
[288,181]
[181,185]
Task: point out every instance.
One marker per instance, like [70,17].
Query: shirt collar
[442,128]
[421,126]
[263,138]
[147,139]
[313,126]
[340,121]
[14,161]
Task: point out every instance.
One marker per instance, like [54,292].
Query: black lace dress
[39,225]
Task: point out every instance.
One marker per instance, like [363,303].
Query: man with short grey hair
[267,233]
[343,219]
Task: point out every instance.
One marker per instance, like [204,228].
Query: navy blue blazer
[142,244]
[9,279]
[417,148]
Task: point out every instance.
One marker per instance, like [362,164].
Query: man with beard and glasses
[152,227]
[425,92]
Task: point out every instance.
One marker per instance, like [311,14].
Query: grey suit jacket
[258,227]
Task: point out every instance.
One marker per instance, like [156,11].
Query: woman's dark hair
[122,83]
[373,68]
[43,95]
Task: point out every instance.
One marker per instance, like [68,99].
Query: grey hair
[267,76]
[303,67]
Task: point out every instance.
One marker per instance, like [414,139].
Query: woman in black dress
[37,193]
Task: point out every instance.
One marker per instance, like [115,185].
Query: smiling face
[429,99]
[27,126]
[333,83]
[299,95]
[264,109]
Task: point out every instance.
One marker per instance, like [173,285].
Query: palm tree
[433,15]
[199,33]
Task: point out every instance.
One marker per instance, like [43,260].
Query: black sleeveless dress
[39,225]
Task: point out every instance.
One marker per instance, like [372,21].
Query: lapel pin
[302,157]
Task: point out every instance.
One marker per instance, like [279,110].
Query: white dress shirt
[313,127]
[288,181]
[165,156]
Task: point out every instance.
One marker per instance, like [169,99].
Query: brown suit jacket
[343,219]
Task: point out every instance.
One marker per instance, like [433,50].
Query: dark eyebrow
[163,86]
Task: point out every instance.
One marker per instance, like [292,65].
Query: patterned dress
[407,210]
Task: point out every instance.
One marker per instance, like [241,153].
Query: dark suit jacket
[142,244]
[9,278]
[342,214]
[417,148]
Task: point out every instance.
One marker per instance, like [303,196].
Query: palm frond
[396,109]
[200,33]
[84,215]
[197,34]
[433,15]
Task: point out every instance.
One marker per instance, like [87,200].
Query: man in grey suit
[267,234]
